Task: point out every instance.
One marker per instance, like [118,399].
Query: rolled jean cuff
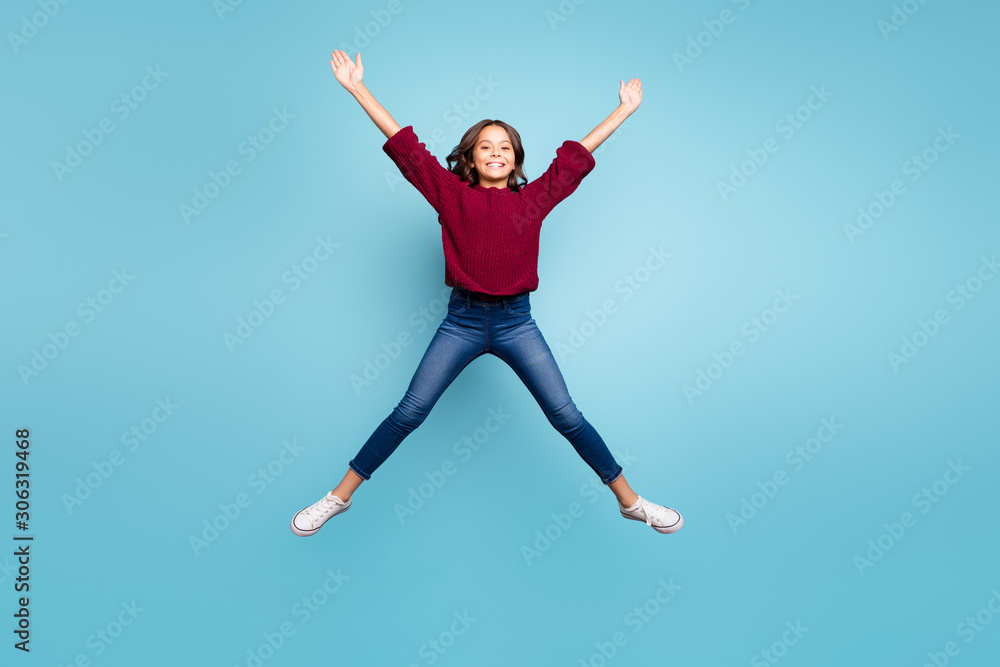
[363,475]
[615,476]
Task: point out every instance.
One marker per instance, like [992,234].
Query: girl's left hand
[630,94]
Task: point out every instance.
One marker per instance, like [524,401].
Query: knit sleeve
[572,162]
[420,167]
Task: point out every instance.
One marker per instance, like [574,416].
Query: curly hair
[465,167]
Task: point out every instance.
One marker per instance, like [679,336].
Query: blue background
[405,579]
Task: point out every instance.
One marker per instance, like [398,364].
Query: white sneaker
[662,519]
[307,521]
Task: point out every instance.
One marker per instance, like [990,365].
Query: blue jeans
[505,329]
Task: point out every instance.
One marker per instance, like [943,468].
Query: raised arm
[349,75]
[629,96]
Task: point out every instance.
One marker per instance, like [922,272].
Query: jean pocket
[519,307]
[457,305]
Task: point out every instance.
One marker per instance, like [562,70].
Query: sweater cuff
[580,157]
[401,136]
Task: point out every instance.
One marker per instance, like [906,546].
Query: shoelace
[316,511]
[651,510]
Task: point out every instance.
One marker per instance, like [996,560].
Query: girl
[490,222]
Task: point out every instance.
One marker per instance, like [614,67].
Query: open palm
[630,94]
[347,72]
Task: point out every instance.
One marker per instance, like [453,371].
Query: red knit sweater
[490,235]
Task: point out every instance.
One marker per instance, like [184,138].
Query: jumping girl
[490,223]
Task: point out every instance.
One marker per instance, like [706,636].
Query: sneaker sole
[666,530]
[307,533]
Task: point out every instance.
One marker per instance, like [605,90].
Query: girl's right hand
[347,73]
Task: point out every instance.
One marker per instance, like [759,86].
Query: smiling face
[493,157]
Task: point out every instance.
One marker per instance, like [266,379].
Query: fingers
[340,57]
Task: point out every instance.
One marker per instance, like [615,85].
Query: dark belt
[491,298]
